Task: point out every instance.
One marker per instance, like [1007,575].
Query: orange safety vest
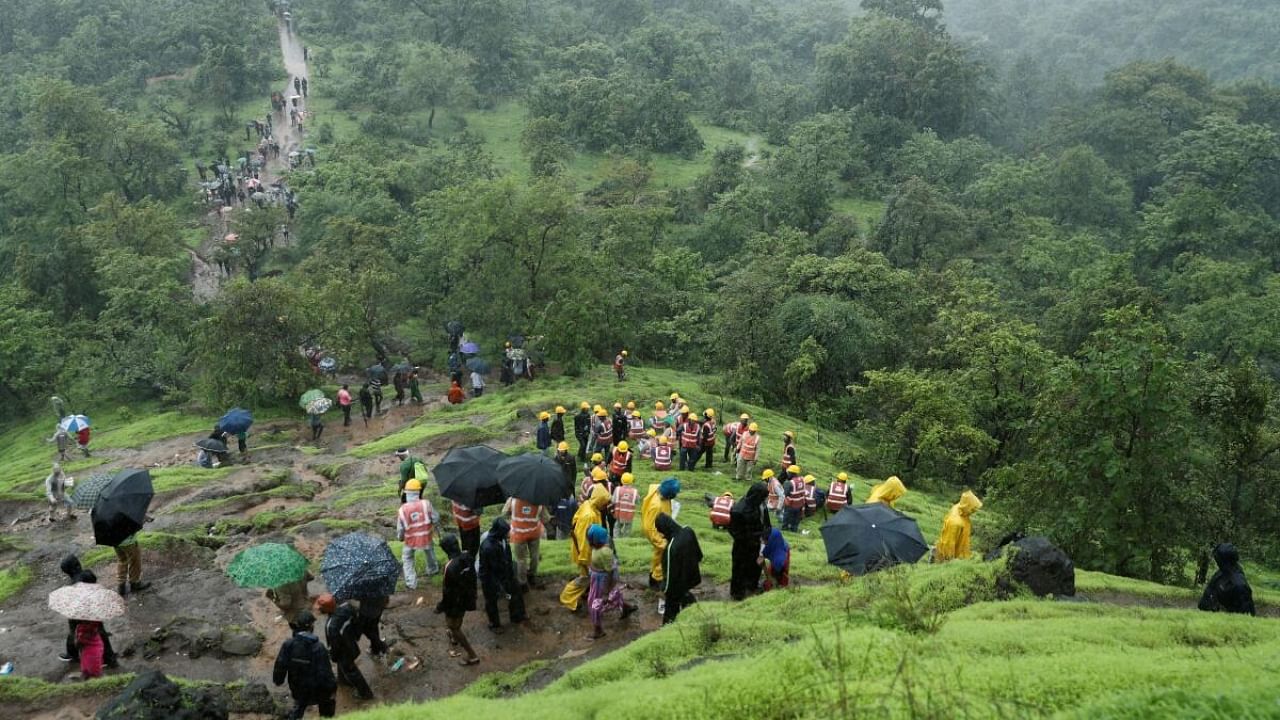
[788,456]
[709,433]
[588,483]
[775,494]
[416,519]
[604,431]
[810,496]
[796,497]
[689,434]
[618,464]
[617,362]
[720,509]
[837,496]
[731,429]
[749,446]
[635,428]
[465,517]
[624,503]
[526,525]
[661,457]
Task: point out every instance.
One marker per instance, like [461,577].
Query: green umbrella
[309,397]
[269,565]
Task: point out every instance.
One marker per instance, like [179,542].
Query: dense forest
[1064,296]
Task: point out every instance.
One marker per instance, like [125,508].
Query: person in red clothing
[82,439]
[624,499]
[456,396]
[707,443]
[344,402]
[838,493]
[468,522]
[721,510]
[690,433]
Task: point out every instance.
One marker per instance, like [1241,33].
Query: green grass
[21,690]
[869,213]
[187,476]
[12,580]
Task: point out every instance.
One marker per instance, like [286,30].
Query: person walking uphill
[589,513]
[1228,590]
[498,576]
[342,635]
[416,522]
[582,429]
[55,491]
[366,403]
[77,574]
[606,582]
[344,402]
[543,438]
[953,541]
[680,570]
[129,566]
[527,528]
[748,520]
[656,502]
[411,467]
[458,596]
[304,663]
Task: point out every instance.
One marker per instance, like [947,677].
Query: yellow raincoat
[953,543]
[888,492]
[653,506]
[589,513]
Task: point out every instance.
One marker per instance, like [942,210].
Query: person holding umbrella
[129,566]
[498,576]
[89,605]
[304,662]
[458,596]
[71,566]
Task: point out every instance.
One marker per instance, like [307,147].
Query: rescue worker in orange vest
[601,432]
[620,365]
[774,499]
[748,450]
[656,502]
[788,450]
[635,426]
[625,497]
[708,440]
[838,493]
[589,513]
[721,508]
[813,497]
[662,454]
[594,476]
[415,526]
[621,461]
[732,432]
[468,522]
[527,529]
[690,433]
[660,421]
[794,501]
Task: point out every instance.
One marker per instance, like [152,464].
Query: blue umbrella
[74,423]
[470,348]
[359,565]
[478,365]
[237,420]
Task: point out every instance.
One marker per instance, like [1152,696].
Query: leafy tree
[433,76]
[543,142]
[920,227]
[925,13]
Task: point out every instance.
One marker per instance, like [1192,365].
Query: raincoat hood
[775,548]
[449,544]
[500,529]
[969,504]
[1226,555]
[888,492]
[599,497]
[756,495]
[667,526]
[70,565]
[597,535]
[669,488]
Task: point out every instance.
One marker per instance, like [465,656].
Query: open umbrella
[534,478]
[319,406]
[309,397]
[865,538]
[359,565]
[87,491]
[403,367]
[328,364]
[453,327]
[268,565]
[86,601]
[469,348]
[377,372]
[213,446]
[74,423]
[469,475]
[478,365]
[236,420]
[122,507]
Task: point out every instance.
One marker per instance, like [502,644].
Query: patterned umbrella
[236,420]
[86,601]
[309,397]
[319,406]
[74,423]
[359,565]
[86,493]
[269,565]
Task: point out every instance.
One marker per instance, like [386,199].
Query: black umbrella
[517,341]
[359,565]
[534,478]
[478,365]
[870,537]
[453,327]
[469,475]
[377,372]
[403,367]
[122,506]
[213,446]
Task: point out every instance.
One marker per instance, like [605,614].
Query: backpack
[420,471]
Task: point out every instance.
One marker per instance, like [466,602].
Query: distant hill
[1230,39]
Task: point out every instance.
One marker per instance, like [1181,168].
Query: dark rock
[1039,565]
[152,696]
[240,642]
[252,698]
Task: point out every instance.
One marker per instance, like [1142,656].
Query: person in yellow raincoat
[657,502]
[953,543]
[589,513]
[888,492]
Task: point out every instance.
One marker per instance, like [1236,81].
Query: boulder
[1041,566]
[152,696]
[240,642]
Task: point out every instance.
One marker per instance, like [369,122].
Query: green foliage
[13,579]
[618,111]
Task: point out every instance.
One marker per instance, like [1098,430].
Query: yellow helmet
[623,446]
[597,408]
[684,410]
[789,435]
[709,412]
[753,427]
[652,433]
[659,406]
[601,412]
[625,353]
[675,396]
[414,485]
[744,416]
[631,404]
[842,477]
[544,415]
[584,405]
[794,469]
[662,440]
[563,446]
[617,406]
[560,410]
[597,457]
[598,474]
[628,478]
[809,479]
[767,474]
[635,413]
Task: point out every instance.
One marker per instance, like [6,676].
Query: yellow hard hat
[744,416]
[659,406]
[628,478]
[617,406]
[684,410]
[631,404]
[635,413]
[560,410]
[675,396]
[842,477]
[789,435]
[414,485]
[753,427]
[652,433]
[709,412]
[767,474]
[601,412]
[597,457]
[809,479]
[661,440]
[584,405]
[597,408]
[623,446]
[794,469]
[544,415]
[563,446]
[625,353]
[598,474]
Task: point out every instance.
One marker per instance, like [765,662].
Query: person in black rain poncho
[304,662]
[498,576]
[458,596]
[680,573]
[1228,590]
[748,520]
